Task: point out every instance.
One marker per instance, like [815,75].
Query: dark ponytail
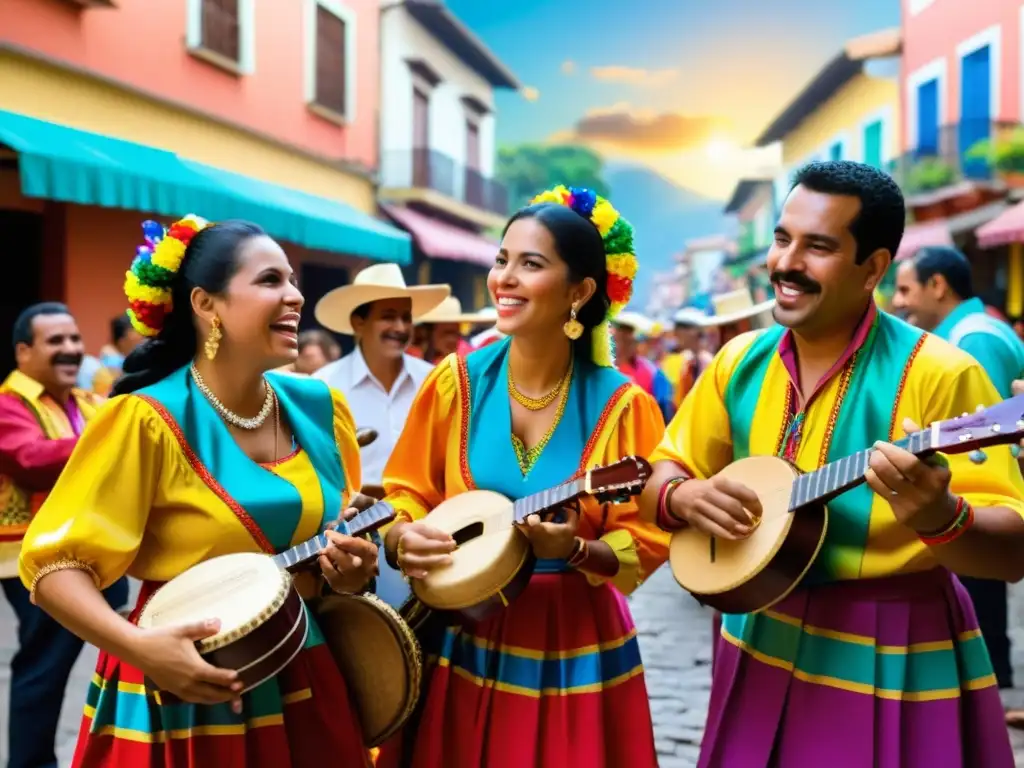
[580,246]
[210,261]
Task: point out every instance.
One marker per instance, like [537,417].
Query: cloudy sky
[680,85]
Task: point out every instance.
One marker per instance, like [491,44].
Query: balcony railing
[971,150]
[429,169]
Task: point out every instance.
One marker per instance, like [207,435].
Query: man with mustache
[42,414]
[378,377]
[875,657]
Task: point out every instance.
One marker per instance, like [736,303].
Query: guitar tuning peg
[1015,450]
[977,457]
[962,415]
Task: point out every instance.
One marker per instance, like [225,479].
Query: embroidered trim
[606,414]
[462,379]
[787,417]
[833,417]
[64,564]
[903,384]
[282,460]
[210,482]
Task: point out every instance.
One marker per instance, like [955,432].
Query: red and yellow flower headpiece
[617,234]
[148,283]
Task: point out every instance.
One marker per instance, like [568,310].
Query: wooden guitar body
[755,573]
[493,562]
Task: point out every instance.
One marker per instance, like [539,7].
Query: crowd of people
[227,430]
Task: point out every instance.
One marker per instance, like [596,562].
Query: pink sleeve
[27,456]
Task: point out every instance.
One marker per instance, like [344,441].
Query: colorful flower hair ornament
[148,283]
[617,234]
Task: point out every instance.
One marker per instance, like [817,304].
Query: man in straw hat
[684,364]
[444,326]
[627,328]
[378,378]
[874,657]
[734,313]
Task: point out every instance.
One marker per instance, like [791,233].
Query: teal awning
[65,164]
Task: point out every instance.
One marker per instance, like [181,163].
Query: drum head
[379,658]
[242,590]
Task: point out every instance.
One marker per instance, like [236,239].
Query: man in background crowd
[684,365]
[378,378]
[635,366]
[42,414]
[98,374]
[934,291]
[442,330]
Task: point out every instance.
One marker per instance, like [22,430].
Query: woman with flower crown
[203,453]
[556,678]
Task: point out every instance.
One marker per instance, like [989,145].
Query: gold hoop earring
[213,339]
[573,328]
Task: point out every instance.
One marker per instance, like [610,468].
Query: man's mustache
[799,279]
[63,359]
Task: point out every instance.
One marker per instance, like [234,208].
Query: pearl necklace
[231,417]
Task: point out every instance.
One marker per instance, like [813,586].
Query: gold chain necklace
[537,403]
[528,457]
[230,416]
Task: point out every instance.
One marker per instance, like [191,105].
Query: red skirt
[554,680]
[302,718]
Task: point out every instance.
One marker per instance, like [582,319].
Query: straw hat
[734,306]
[376,283]
[639,323]
[690,316]
[450,311]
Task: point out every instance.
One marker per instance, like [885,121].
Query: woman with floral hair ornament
[556,678]
[203,452]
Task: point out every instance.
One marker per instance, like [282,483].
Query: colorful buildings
[848,110]
[754,204]
[963,146]
[229,108]
[437,132]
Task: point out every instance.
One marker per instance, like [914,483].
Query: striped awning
[1006,228]
[918,236]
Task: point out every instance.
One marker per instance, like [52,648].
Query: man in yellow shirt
[876,657]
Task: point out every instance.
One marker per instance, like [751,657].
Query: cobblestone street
[675,636]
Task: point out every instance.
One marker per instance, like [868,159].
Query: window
[873,144]
[928,118]
[330,58]
[835,152]
[221,32]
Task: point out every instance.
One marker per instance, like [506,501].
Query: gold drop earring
[213,339]
[573,328]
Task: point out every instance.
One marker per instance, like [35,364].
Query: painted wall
[33,88]
[403,38]
[934,30]
[842,119]
[142,43]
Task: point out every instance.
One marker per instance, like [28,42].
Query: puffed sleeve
[640,547]
[95,516]
[414,476]
[960,386]
[345,436]
[699,437]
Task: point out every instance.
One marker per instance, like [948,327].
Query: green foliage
[928,174]
[1005,153]
[530,169]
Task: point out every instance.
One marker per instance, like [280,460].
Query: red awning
[918,236]
[1006,228]
[441,240]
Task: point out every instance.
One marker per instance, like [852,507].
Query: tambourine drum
[263,623]
[379,658]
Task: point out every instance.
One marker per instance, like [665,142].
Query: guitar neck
[551,498]
[840,476]
[366,521]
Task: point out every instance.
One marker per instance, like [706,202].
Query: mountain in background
[664,215]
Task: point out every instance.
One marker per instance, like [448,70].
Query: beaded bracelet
[963,519]
[666,519]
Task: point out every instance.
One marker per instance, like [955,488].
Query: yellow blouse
[430,464]
[131,501]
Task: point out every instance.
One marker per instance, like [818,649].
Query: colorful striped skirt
[879,673]
[554,680]
[299,719]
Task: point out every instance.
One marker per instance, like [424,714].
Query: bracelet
[666,519]
[963,519]
[579,553]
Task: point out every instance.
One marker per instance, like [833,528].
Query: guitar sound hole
[468,533]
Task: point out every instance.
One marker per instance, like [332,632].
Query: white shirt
[373,407]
